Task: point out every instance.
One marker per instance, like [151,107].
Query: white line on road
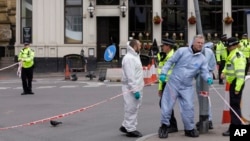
[4,88]
[113,85]
[69,86]
[45,87]
[17,88]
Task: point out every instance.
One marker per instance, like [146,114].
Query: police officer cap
[244,35]
[168,42]
[223,36]
[209,45]
[232,41]
[26,43]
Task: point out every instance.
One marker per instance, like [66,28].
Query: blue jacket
[187,65]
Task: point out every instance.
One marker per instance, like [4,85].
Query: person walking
[186,63]
[167,52]
[245,48]
[210,57]
[221,54]
[26,57]
[234,72]
[132,88]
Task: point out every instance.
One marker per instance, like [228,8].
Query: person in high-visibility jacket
[245,48]
[234,72]
[167,52]
[221,55]
[26,56]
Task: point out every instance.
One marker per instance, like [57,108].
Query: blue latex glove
[137,95]
[162,77]
[210,81]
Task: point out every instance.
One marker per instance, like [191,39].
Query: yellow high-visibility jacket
[245,47]
[221,51]
[235,68]
[162,59]
[27,56]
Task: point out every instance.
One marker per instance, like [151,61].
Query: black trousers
[235,103]
[27,76]
[173,122]
[221,67]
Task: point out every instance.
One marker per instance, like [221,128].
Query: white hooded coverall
[132,81]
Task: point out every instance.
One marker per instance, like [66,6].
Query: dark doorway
[107,34]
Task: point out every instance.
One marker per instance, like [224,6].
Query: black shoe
[134,134]
[123,129]
[30,93]
[210,125]
[227,133]
[192,133]
[163,131]
[172,129]
[24,93]
[221,83]
[197,125]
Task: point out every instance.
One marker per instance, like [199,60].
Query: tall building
[57,28]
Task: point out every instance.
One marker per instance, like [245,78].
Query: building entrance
[108,33]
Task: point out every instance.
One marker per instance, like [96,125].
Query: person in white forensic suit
[132,88]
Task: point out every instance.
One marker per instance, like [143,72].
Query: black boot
[172,129]
[123,129]
[173,124]
[134,134]
[192,133]
[210,125]
[227,133]
[163,131]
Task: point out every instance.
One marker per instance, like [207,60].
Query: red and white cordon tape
[9,66]
[65,114]
[61,115]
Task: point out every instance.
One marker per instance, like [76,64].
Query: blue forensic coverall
[132,81]
[187,65]
[210,57]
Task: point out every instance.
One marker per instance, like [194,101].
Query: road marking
[4,88]
[45,87]
[69,86]
[113,85]
[17,88]
[93,84]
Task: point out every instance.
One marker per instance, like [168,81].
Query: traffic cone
[226,118]
[67,72]
[153,72]
[146,75]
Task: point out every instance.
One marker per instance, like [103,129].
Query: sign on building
[27,35]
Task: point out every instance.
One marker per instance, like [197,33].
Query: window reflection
[211,17]
[140,19]
[73,21]
[26,16]
[239,8]
[107,2]
[174,20]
